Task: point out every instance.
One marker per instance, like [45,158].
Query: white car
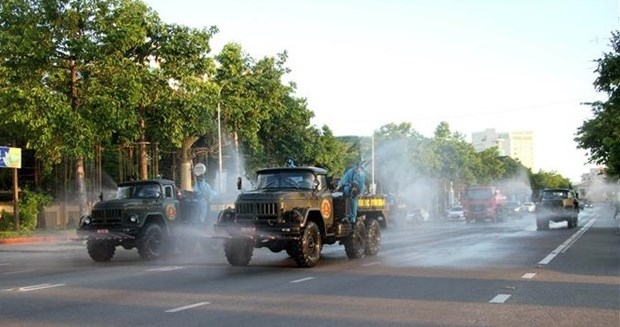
[528,207]
[456,213]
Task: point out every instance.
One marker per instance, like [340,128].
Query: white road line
[166,268]
[191,306]
[302,280]
[38,287]
[500,298]
[17,272]
[528,275]
[371,264]
[564,246]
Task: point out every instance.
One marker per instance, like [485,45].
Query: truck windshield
[285,179]
[139,191]
[554,195]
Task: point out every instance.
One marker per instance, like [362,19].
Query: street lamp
[219,140]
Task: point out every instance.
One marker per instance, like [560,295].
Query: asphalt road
[427,274]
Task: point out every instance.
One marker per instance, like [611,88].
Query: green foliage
[544,179]
[600,135]
[29,208]
[6,221]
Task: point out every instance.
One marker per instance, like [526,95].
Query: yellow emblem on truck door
[326,209]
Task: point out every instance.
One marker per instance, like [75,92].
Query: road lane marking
[37,287]
[500,298]
[528,275]
[371,264]
[191,306]
[302,280]
[18,272]
[166,268]
[564,246]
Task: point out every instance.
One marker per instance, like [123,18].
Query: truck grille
[107,217]
[478,208]
[257,209]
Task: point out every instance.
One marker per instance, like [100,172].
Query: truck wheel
[151,242]
[373,238]
[238,251]
[100,251]
[308,249]
[355,244]
[542,224]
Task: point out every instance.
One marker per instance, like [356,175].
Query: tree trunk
[144,158]
[186,163]
[81,186]
[238,161]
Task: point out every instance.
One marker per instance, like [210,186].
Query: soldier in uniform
[352,184]
[203,191]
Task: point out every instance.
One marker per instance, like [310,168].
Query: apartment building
[518,145]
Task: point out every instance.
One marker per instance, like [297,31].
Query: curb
[36,239]
[32,239]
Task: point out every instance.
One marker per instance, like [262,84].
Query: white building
[518,145]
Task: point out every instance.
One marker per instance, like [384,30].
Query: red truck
[481,203]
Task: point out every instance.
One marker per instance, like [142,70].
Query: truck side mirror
[239,183]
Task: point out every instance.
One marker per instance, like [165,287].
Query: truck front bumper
[258,233]
[106,234]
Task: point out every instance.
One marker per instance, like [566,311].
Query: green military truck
[153,216]
[557,204]
[293,209]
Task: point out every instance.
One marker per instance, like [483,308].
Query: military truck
[557,204]
[293,209]
[153,216]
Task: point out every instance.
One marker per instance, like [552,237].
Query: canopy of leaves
[600,135]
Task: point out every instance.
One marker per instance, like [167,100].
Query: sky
[513,65]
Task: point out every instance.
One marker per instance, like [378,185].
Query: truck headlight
[226,216]
[85,220]
[133,218]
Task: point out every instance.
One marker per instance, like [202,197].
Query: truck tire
[308,251]
[238,251]
[100,251]
[355,244]
[542,224]
[373,238]
[151,242]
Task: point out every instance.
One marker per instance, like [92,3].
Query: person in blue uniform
[203,192]
[352,184]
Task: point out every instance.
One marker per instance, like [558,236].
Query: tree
[600,135]
[545,179]
[186,109]
[59,91]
